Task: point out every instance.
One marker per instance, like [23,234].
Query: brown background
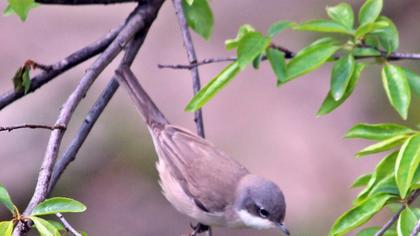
[273,131]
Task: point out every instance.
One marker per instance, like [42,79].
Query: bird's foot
[200,228]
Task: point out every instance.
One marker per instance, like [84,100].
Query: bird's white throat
[254,221]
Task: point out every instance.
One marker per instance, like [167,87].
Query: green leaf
[58,204]
[369,11]
[44,227]
[384,168]
[383,145]
[26,80]
[22,7]
[6,228]
[190,2]
[359,214]
[243,30]
[407,163]
[397,88]
[406,222]
[278,64]
[250,46]
[329,104]
[370,27]
[361,180]
[278,27]
[58,225]
[214,86]
[343,14]
[326,26]
[199,17]
[8,11]
[6,200]
[257,61]
[341,76]
[388,36]
[311,57]
[377,131]
[413,80]
[371,231]
[365,52]
[386,185]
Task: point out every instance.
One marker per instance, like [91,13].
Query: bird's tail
[144,104]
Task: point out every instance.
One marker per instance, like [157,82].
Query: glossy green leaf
[250,46]
[365,52]
[384,168]
[341,75]
[358,215]
[243,30]
[257,61]
[413,80]
[386,185]
[326,26]
[278,27]
[406,222]
[214,86]
[22,7]
[370,11]
[361,181]
[370,27]
[58,225]
[407,163]
[343,14]
[388,36]
[397,88]
[6,228]
[6,200]
[278,64]
[311,57]
[58,204]
[199,17]
[329,104]
[8,11]
[383,145]
[26,81]
[44,227]
[377,131]
[371,231]
[190,2]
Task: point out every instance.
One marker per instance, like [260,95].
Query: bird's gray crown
[259,202]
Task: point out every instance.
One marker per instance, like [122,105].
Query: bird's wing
[206,174]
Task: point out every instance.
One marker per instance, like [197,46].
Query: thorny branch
[31,126]
[67,225]
[192,58]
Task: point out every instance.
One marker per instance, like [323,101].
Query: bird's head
[260,204]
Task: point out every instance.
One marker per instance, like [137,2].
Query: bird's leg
[200,228]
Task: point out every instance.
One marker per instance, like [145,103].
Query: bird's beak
[283,228]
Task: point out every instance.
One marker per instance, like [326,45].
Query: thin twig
[203,62]
[192,58]
[95,111]
[83,2]
[67,225]
[62,66]
[144,13]
[395,217]
[31,126]
[416,229]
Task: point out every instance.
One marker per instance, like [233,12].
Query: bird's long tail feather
[144,104]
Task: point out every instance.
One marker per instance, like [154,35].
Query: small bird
[201,181]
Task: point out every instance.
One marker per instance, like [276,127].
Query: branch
[67,225]
[83,2]
[192,58]
[416,229]
[203,62]
[395,217]
[95,111]
[31,126]
[62,66]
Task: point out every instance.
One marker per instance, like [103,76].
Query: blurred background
[272,131]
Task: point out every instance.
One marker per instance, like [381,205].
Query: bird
[200,180]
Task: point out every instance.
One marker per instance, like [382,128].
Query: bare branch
[95,111]
[31,126]
[67,225]
[203,62]
[192,58]
[416,229]
[83,2]
[62,66]
[394,218]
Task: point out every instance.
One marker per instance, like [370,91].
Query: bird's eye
[263,213]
